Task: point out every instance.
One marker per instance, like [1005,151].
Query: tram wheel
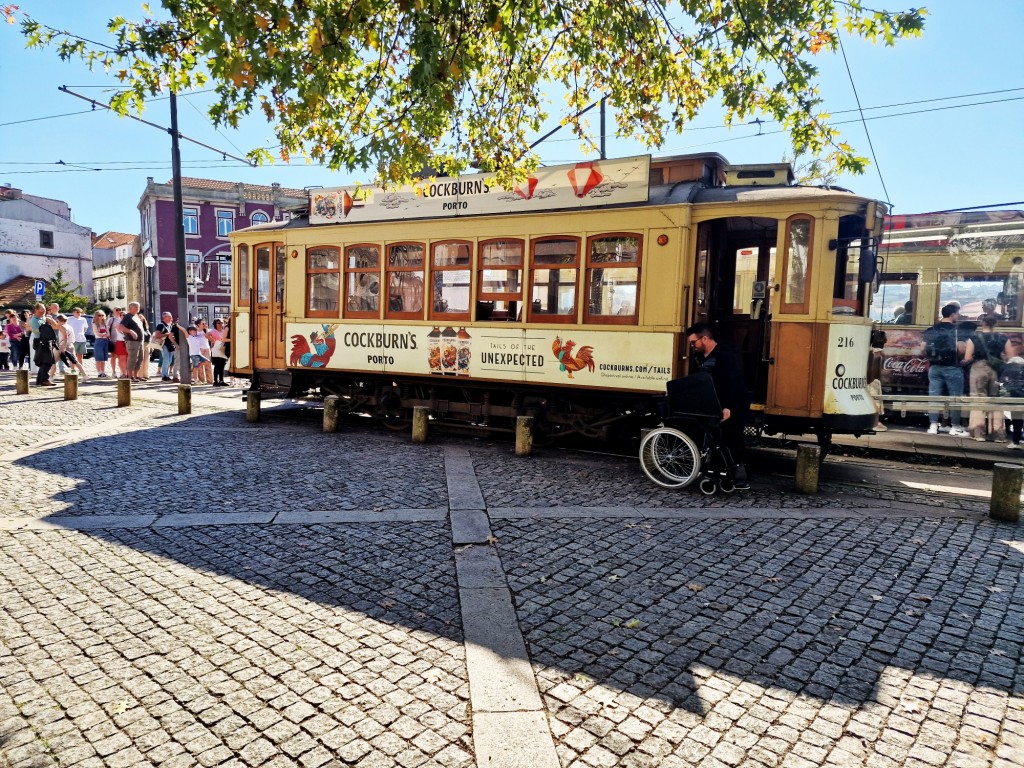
[669,457]
[390,412]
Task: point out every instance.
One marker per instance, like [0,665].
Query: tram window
[613,277]
[263,274]
[323,281]
[405,281]
[243,276]
[553,277]
[890,301]
[977,294]
[500,280]
[449,279]
[280,262]
[362,281]
[795,295]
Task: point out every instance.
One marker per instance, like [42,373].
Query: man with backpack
[945,374]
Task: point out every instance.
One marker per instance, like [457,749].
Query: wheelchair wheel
[727,484]
[708,486]
[669,458]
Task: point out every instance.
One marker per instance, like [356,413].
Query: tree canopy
[396,85]
[60,290]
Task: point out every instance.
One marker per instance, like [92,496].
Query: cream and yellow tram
[566,297]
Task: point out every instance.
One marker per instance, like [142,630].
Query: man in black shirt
[725,367]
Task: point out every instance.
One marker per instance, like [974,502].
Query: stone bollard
[1006,484]
[21,381]
[124,393]
[331,413]
[252,406]
[524,435]
[70,386]
[807,465]
[184,399]
[420,419]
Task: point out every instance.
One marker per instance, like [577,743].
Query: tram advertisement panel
[618,360]
[846,384]
[904,366]
[582,185]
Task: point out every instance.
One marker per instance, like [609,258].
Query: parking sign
[40,288]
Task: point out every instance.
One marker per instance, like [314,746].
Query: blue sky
[929,160]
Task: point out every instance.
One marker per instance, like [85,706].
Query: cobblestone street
[197,590]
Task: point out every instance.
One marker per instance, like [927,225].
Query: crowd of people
[974,355]
[50,342]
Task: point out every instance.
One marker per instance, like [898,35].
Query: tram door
[268,310]
[735,275]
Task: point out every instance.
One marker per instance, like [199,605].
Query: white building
[37,237]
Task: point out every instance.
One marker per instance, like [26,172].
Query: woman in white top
[119,356]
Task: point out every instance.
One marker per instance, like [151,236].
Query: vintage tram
[566,297]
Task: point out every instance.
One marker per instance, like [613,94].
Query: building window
[221,312]
[613,279]
[225,223]
[201,312]
[259,217]
[224,272]
[190,220]
[193,272]
[450,272]
[553,273]
[242,299]
[323,281]
[405,281]
[362,281]
[45,239]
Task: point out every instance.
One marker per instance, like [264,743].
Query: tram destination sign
[587,184]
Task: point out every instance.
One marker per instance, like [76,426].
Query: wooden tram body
[482,310]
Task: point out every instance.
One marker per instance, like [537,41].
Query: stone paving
[333,622]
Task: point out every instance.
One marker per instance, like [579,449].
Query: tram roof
[681,193]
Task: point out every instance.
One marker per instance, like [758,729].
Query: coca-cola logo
[905,365]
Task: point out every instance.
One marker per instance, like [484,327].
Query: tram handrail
[946,403]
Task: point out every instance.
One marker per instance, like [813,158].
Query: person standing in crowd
[101,344]
[44,345]
[133,333]
[26,339]
[165,336]
[80,326]
[66,345]
[5,351]
[12,327]
[119,358]
[725,367]
[147,338]
[985,353]
[907,316]
[197,343]
[218,352]
[945,374]
[1011,380]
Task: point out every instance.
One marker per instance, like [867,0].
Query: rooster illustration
[317,355]
[569,363]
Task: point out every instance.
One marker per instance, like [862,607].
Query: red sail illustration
[584,177]
[526,194]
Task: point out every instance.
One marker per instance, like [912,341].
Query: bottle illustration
[464,352]
[449,353]
[434,350]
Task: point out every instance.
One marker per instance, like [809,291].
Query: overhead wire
[867,133]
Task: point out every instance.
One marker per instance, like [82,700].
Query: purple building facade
[212,209]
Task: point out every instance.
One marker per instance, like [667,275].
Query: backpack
[940,345]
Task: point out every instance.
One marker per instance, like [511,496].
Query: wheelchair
[688,443]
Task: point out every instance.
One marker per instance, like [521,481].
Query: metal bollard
[807,464]
[70,386]
[420,419]
[331,413]
[184,399]
[524,435]
[252,406]
[21,381]
[1006,484]
[124,393]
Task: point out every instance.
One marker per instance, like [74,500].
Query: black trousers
[219,364]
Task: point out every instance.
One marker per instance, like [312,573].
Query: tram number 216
[845,341]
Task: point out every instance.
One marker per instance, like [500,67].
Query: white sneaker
[1014,446]
[958,432]
[933,429]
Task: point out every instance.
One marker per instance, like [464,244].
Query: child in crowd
[5,351]
[197,345]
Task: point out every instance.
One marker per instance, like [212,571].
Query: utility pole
[182,318]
